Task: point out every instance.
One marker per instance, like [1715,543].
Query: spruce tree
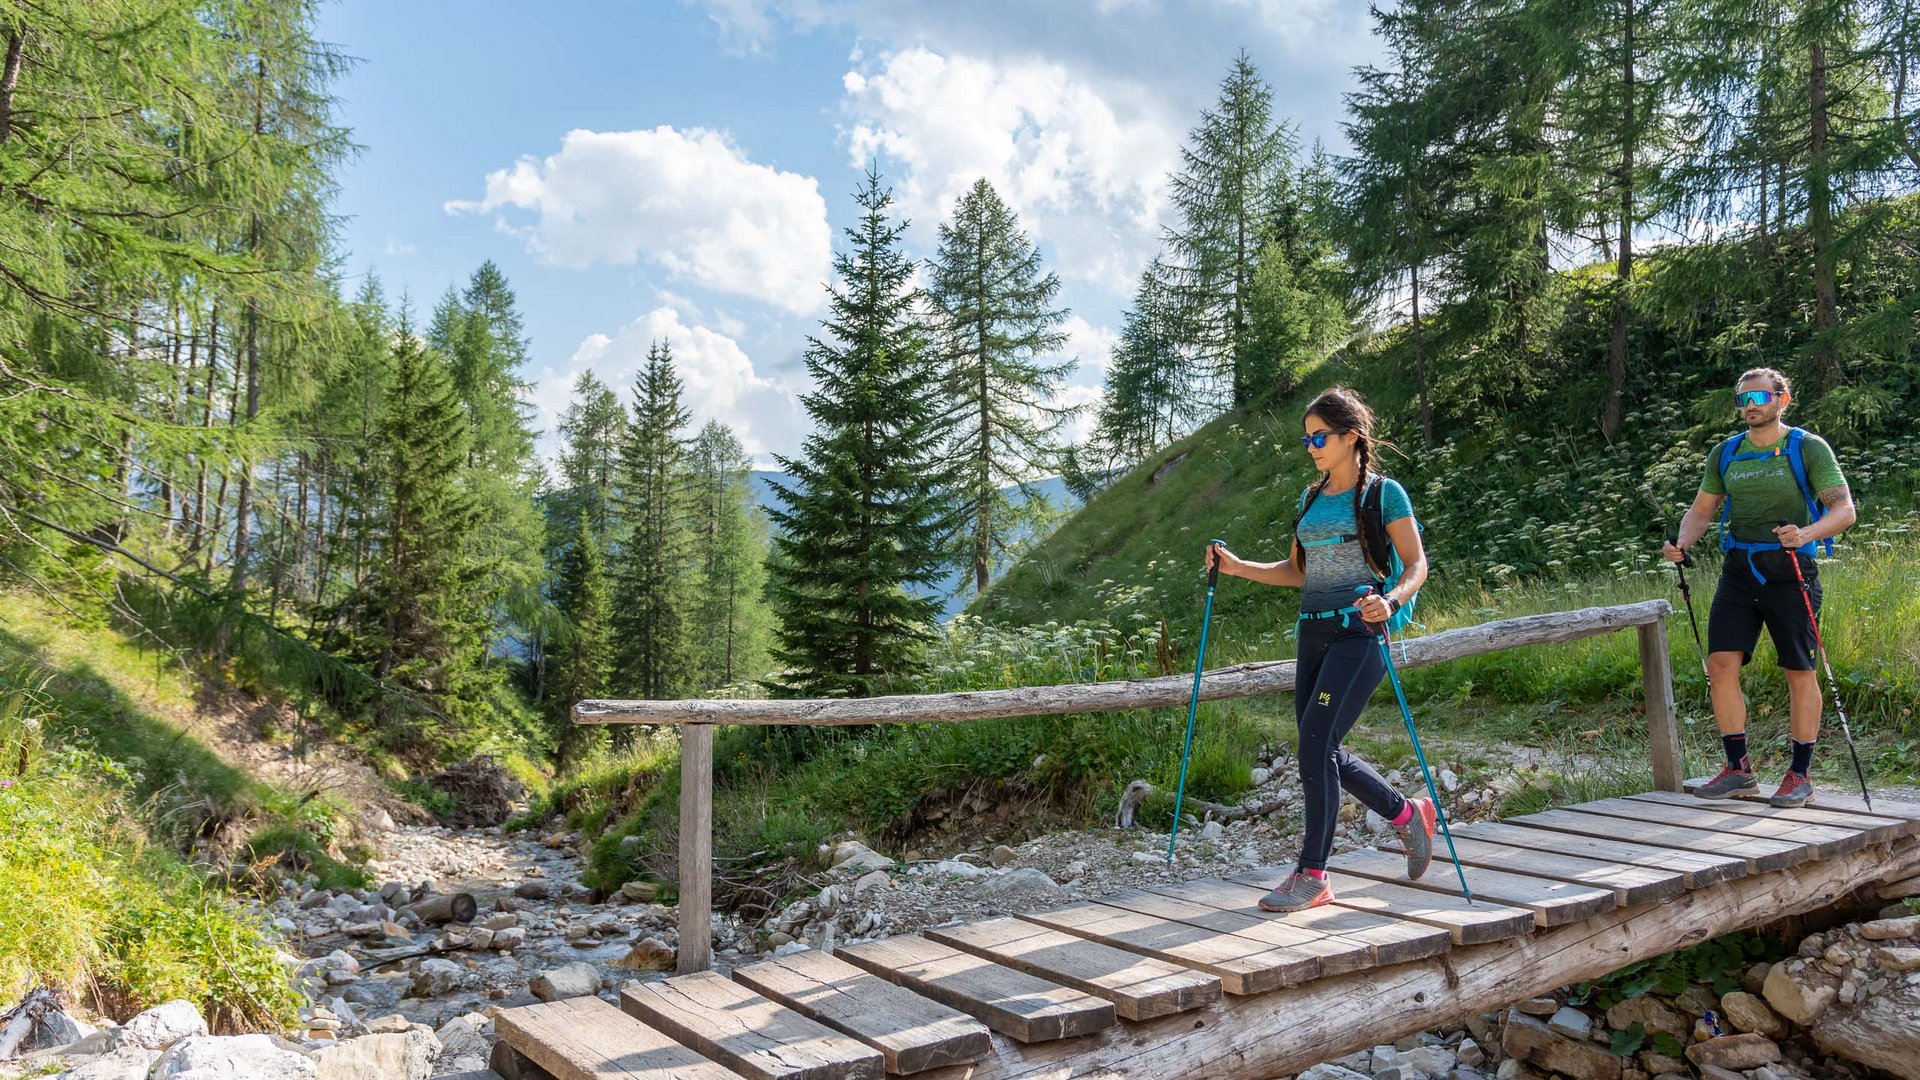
[581,657]
[995,316]
[1148,401]
[656,562]
[1222,193]
[729,614]
[593,429]
[866,516]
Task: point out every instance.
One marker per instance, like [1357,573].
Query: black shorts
[1742,605]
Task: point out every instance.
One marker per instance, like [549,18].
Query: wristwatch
[1393,604]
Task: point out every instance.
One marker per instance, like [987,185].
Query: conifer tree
[653,571]
[593,428]
[866,517]
[1222,194]
[581,657]
[729,614]
[995,316]
[1147,401]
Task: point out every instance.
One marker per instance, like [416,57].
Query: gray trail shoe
[1730,783]
[1795,790]
[1298,892]
[1416,837]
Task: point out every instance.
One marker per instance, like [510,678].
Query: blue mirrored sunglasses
[1748,398]
[1318,440]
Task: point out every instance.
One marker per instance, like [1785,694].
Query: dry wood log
[18,1022]
[1241,680]
[453,907]
[1249,1038]
[1139,791]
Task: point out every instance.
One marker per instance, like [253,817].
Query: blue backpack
[1790,448]
[1375,544]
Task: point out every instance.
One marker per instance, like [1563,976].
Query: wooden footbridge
[1192,979]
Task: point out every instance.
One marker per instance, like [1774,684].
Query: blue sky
[683,168]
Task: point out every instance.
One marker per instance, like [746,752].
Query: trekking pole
[1686,560]
[1406,713]
[1193,706]
[1806,597]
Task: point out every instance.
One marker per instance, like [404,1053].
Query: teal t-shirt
[1762,492]
[1334,571]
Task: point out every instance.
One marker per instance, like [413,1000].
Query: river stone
[1659,1064]
[1332,1072]
[232,1057]
[1013,881]
[1571,1022]
[1797,1001]
[1696,1000]
[1884,1033]
[1749,1013]
[1539,1006]
[509,939]
[1529,1040]
[1735,1052]
[435,977]
[1651,1014]
[406,1055]
[163,1025]
[1891,929]
[573,980]
[1897,958]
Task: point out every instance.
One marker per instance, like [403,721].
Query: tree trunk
[1820,226]
[1623,279]
[1420,360]
[10,78]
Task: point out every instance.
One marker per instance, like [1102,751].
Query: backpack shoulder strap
[1313,492]
[1377,546]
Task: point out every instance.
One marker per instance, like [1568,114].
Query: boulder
[121,1063]
[1539,1006]
[1002,855]
[435,977]
[573,980]
[1332,1072]
[403,1055]
[1883,1033]
[1897,958]
[163,1025]
[1651,1014]
[1796,997]
[232,1057]
[1529,1040]
[647,954]
[1015,881]
[1749,1013]
[1736,1053]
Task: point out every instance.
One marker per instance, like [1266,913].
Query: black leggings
[1338,670]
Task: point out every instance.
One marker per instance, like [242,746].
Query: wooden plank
[1394,941]
[1762,855]
[1656,683]
[1013,1003]
[1470,924]
[1245,965]
[1552,902]
[1825,840]
[1631,884]
[911,1032]
[759,1039]
[1877,829]
[1140,987]
[1292,931]
[696,848]
[1697,868]
[584,1038]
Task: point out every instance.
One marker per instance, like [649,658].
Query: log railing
[698,717]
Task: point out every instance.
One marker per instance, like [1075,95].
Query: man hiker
[1342,517]
[1768,474]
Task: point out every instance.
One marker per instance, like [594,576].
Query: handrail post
[696,848]
[1656,676]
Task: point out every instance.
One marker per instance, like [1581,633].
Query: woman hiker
[1767,474]
[1340,664]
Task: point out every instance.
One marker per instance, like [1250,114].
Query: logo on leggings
[1326,697]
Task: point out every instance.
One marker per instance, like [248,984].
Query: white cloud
[689,201]
[719,380]
[1085,167]
[1091,345]
[396,246]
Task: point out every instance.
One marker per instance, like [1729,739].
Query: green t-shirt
[1762,489]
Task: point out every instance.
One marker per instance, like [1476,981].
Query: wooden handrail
[697,718]
[1238,681]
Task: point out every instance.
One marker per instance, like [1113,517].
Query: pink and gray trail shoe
[1416,837]
[1300,891]
[1729,784]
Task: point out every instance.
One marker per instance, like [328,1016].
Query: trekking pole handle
[1686,557]
[1213,561]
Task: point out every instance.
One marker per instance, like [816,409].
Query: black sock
[1736,747]
[1802,757]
